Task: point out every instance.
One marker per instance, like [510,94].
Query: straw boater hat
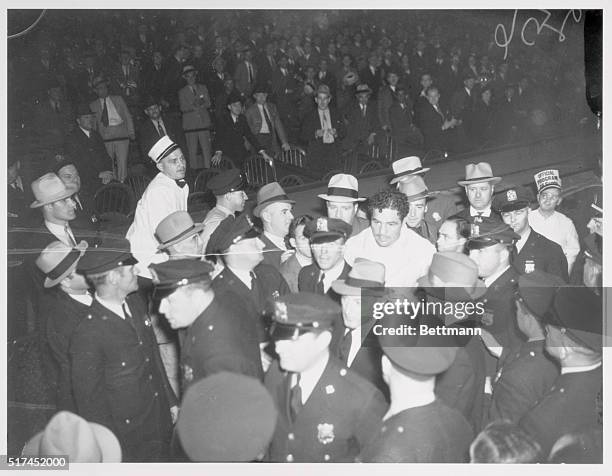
[342,188]
[478,173]
[406,167]
[48,189]
[162,148]
[82,441]
[58,260]
[176,227]
[269,194]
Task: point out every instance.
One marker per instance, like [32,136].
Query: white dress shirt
[491,279]
[485,213]
[113,307]
[332,274]
[114,119]
[405,261]
[264,124]
[161,198]
[62,233]
[560,229]
[85,299]
[310,378]
[523,239]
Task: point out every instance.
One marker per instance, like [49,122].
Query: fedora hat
[58,260]
[364,274]
[269,194]
[459,275]
[83,110]
[48,189]
[478,173]
[342,188]
[176,227]
[350,78]
[414,188]
[362,88]
[83,442]
[188,69]
[406,166]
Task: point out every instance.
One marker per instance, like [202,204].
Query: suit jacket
[195,108]
[230,136]
[173,80]
[63,315]
[120,80]
[430,123]
[148,134]
[268,285]
[312,122]
[309,278]
[444,436]
[119,381]
[334,424]
[241,78]
[374,80]
[222,338]
[254,119]
[543,254]
[526,375]
[272,254]
[568,406]
[121,131]
[386,98]
[290,269]
[51,127]
[359,127]
[153,80]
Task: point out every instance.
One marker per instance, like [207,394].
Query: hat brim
[365,91]
[510,207]
[401,177]
[60,196]
[546,187]
[340,287]
[107,441]
[452,293]
[492,180]
[196,229]
[259,208]
[340,198]
[49,283]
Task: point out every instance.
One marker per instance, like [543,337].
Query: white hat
[405,167]
[478,173]
[342,188]
[547,179]
[162,148]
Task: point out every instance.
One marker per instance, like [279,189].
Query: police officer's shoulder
[264,270]
[354,381]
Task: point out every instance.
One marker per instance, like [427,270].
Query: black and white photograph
[303,233]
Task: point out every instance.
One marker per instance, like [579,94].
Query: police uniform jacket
[569,405]
[119,381]
[215,216]
[524,378]
[433,433]
[334,424]
[542,254]
[218,341]
[267,285]
[308,280]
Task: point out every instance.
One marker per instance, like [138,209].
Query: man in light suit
[194,102]
[115,125]
[245,74]
[264,122]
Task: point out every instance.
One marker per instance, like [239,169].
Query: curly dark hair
[389,199]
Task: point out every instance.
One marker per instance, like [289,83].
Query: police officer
[215,336]
[418,427]
[228,188]
[326,411]
[327,237]
[574,340]
[527,372]
[534,250]
[118,378]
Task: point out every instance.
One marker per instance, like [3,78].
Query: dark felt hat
[233,97]
[83,109]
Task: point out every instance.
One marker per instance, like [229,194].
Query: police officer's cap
[226,417]
[536,290]
[326,229]
[171,275]
[109,254]
[300,313]
[231,231]
[489,233]
[579,311]
[227,181]
[515,198]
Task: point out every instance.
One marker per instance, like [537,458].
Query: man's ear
[293,243]
[159,166]
[265,216]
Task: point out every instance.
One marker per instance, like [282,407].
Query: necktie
[160,129]
[69,235]
[363,110]
[478,218]
[105,114]
[320,289]
[193,90]
[181,182]
[295,399]
[345,346]
[268,121]
[253,280]
[127,315]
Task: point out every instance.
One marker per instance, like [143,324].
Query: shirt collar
[310,377]
[485,213]
[85,299]
[332,274]
[243,275]
[277,240]
[111,306]
[85,131]
[579,368]
[491,279]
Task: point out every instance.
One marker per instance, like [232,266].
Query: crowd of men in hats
[254,327]
[330,82]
